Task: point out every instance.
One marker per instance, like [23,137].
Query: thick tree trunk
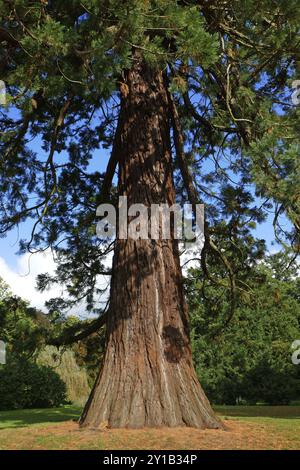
[147,378]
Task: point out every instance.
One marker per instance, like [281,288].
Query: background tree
[24,384]
[27,333]
[22,327]
[85,75]
[249,359]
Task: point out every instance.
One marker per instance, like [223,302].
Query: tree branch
[194,199]
[74,334]
[112,163]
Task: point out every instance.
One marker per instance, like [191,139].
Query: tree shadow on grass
[24,418]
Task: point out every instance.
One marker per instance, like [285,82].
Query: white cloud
[190,256]
[22,278]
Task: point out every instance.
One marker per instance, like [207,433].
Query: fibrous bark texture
[147,377]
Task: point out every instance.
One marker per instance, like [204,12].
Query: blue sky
[20,271]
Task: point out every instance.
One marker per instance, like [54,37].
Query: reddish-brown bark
[147,378]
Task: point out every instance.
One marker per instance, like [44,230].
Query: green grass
[24,418]
[259,411]
[266,427]
[283,420]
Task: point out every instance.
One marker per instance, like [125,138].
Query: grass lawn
[42,417]
[247,427]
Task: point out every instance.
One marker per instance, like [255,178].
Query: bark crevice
[147,377]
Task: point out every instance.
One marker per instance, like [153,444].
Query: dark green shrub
[27,385]
[265,383]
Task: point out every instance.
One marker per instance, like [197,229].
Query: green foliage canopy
[230,65]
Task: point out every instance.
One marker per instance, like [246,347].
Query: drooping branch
[112,164]
[57,128]
[76,333]
[6,36]
[179,146]
[194,199]
[207,124]
[59,121]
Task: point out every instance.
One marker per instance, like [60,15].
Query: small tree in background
[248,358]
[24,384]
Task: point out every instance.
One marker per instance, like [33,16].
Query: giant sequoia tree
[193,97]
